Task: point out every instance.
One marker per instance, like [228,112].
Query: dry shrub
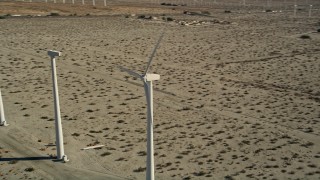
[305,36]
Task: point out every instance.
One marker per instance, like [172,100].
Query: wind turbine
[58,125]
[147,79]
[3,121]
[310,10]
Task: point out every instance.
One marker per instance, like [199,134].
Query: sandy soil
[238,97]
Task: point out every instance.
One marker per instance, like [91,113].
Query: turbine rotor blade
[130,72]
[154,52]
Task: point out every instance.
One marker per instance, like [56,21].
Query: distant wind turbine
[310,10]
[147,79]
[3,121]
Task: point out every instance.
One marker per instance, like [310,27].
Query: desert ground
[238,97]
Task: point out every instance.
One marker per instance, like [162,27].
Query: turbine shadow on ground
[27,158]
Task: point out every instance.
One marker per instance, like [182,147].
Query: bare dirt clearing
[238,98]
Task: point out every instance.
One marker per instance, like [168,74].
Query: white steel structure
[310,11]
[147,79]
[3,121]
[58,125]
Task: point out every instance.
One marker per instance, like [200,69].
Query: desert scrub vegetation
[305,36]
[105,154]
[29,169]
[54,14]
[140,169]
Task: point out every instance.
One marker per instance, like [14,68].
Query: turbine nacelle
[53,54]
[151,77]
[146,77]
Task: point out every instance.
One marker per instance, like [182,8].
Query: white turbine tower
[147,79]
[310,11]
[58,125]
[3,121]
